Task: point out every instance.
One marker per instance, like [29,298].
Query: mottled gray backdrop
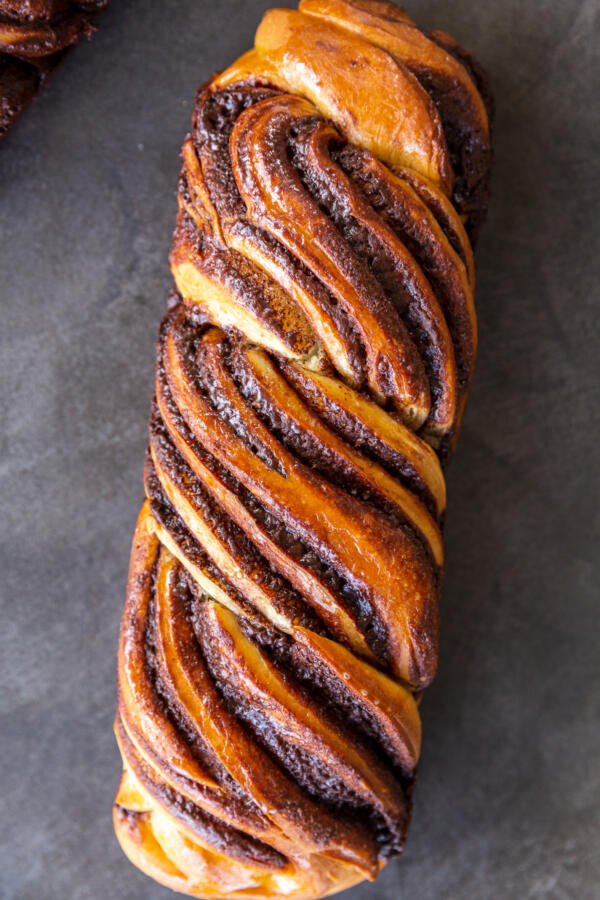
[508,796]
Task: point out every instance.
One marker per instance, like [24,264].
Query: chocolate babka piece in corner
[34,37]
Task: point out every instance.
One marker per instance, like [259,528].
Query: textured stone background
[508,799]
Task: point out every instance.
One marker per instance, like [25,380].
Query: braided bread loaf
[34,35]
[282,611]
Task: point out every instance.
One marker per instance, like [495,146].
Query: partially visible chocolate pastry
[281,620]
[34,36]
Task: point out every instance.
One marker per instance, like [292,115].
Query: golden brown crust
[282,611]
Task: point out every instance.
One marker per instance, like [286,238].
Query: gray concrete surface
[508,801]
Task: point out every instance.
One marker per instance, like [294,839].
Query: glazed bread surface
[34,36]
[281,619]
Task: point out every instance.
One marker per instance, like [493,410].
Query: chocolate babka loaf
[281,619]
[34,36]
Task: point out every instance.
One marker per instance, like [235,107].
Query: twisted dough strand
[282,612]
